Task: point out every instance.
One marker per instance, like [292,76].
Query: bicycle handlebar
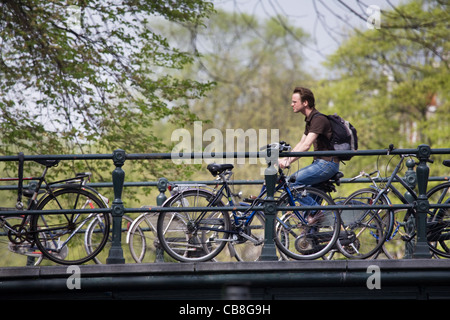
[281,146]
[391,147]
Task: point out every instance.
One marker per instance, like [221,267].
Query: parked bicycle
[200,235]
[438,225]
[373,231]
[59,237]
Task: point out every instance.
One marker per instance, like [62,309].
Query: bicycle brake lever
[391,147]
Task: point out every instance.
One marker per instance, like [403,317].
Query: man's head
[306,96]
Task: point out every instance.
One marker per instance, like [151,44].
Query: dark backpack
[344,136]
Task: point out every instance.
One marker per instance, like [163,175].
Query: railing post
[422,205]
[160,199]
[162,188]
[269,252]
[410,227]
[118,177]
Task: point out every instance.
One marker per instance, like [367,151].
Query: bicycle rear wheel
[306,234]
[438,225]
[191,235]
[15,249]
[364,230]
[61,237]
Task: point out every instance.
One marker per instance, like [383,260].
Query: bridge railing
[117,209]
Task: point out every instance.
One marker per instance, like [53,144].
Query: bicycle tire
[182,239]
[362,239]
[143,239]
[438,223]
[51,231]
[103,255]
[302,240]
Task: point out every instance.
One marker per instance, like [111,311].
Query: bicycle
[192,235]
[367,233]
[60,238]
[438,224]
[142,237]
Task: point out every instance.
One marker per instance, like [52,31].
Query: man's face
[297,105]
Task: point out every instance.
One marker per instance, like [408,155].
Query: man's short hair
[306,94]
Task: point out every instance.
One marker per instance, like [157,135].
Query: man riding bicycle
[317,133]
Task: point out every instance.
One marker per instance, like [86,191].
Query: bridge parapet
[331,280]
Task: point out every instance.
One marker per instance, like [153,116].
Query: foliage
[400,66]
[393,82]
[381,80]
[255,65]
[91,76]
[117,79]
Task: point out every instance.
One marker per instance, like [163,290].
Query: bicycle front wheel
[192,235]
[306,234]
[250,250]
[143,239]
[364,230]
[91,240]
[61,237]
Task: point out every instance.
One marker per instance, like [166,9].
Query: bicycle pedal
[250,199]
[406,238]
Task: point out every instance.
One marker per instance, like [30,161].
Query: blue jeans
[317,172]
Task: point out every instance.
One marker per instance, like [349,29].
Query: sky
[327,29]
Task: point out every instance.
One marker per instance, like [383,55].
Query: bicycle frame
[49,187]
[225,190]
[390,187]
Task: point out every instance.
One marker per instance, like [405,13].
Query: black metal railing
[117,210]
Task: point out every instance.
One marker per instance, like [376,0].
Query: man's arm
[304,145]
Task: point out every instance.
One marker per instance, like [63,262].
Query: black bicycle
[372,231]
[60,237]
[188,234]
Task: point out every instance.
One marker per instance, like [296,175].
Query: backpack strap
[320,113]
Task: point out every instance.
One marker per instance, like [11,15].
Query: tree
[255,64]
[393,82]
[91,76]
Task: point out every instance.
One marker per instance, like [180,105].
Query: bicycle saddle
[328,186]
[337,178]
[48,163]
[216,169]
[446,163]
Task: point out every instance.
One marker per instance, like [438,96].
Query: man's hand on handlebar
[281,147]
[284,163]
